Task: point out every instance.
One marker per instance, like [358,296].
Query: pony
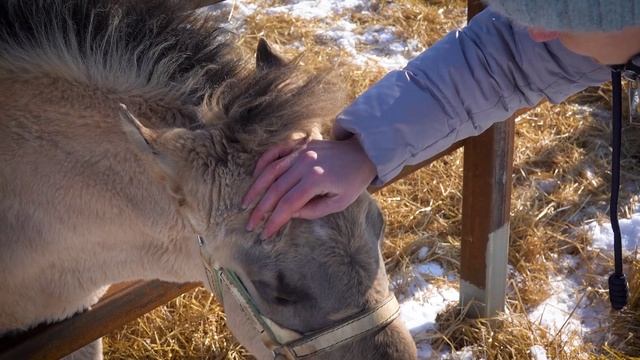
[91,194]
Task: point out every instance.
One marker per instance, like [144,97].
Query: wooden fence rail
[485,238]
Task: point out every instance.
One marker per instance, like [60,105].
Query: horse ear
[141,136]
[145,140]
[375,221]
[266,58]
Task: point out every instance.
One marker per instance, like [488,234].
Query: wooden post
[486,198]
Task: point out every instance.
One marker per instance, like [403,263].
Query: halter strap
[286,343]
[364,323]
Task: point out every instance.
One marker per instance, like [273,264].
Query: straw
[560,180]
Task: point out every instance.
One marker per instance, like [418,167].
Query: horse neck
[74,170]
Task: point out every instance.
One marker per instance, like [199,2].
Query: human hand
[308,180]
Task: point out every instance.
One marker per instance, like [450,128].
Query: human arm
[459,87]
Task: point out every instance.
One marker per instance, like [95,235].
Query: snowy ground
[567,308]
[383,47]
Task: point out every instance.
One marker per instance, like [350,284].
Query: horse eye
[281,293]
[288,293]
[269,293]
[283,301]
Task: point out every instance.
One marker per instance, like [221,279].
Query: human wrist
[367,167]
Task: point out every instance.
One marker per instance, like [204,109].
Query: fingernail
[249,227]
[244,202]
[263,236]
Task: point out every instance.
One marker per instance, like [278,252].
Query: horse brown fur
[92,194]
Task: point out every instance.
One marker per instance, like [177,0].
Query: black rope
[618,288]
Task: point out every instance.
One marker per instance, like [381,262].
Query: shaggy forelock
[262,108]
[340,242]
[353,252]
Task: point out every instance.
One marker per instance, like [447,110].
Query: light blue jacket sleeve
[459,87]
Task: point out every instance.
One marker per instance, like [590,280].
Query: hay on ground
[560,179]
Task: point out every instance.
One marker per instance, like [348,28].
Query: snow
[572,311]
[569,307]
[603,235]
[377,46]
[431,269]
[466,353]
[538,352]
[422,301]
[547,186]
[319,8]
[423,253]
[232,13]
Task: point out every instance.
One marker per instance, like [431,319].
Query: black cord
[618,288]
[616,135]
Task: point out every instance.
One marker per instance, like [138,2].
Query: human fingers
[289,205]
[322,206]
[266,178]
[280,186]
[274,153]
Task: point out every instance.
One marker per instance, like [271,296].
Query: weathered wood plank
[486,199]
[130,301]
[408,170]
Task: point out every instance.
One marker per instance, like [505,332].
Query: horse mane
[265,107]
[129,47]
[162,49]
